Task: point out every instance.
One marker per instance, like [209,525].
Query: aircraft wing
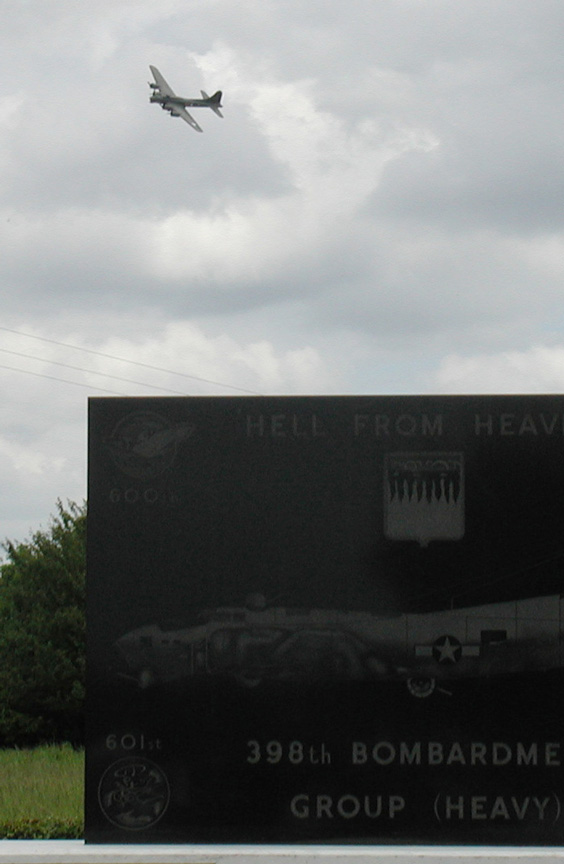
[178,111]
[164,87]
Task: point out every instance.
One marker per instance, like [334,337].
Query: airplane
[427,651]
[164,95]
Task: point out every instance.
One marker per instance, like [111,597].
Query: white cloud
[29,461]
[332,171]
[10,105]
[298,371]
[198,362]
[539,369]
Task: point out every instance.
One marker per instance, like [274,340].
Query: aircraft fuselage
[179,100]
[422,648]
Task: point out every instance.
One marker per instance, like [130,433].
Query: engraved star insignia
[447,649]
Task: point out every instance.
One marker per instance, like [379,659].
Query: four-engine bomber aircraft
[164,95]
[427,650]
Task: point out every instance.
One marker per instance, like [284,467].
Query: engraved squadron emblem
[144,444]
[133,793]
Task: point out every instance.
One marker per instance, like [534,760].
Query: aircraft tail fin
[214,101]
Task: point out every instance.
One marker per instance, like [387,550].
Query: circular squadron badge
[144,444]
[133,793]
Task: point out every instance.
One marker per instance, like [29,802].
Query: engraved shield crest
[424,496]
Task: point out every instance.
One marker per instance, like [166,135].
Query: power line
[133,362]
[87,371]
[62,380]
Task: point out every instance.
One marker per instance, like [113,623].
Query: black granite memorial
[326,620]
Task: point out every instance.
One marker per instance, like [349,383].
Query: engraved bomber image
[428,651]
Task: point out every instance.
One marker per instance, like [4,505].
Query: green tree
[42,632]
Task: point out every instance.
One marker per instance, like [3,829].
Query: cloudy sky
[379,211]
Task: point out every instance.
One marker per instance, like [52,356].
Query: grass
[41,792]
